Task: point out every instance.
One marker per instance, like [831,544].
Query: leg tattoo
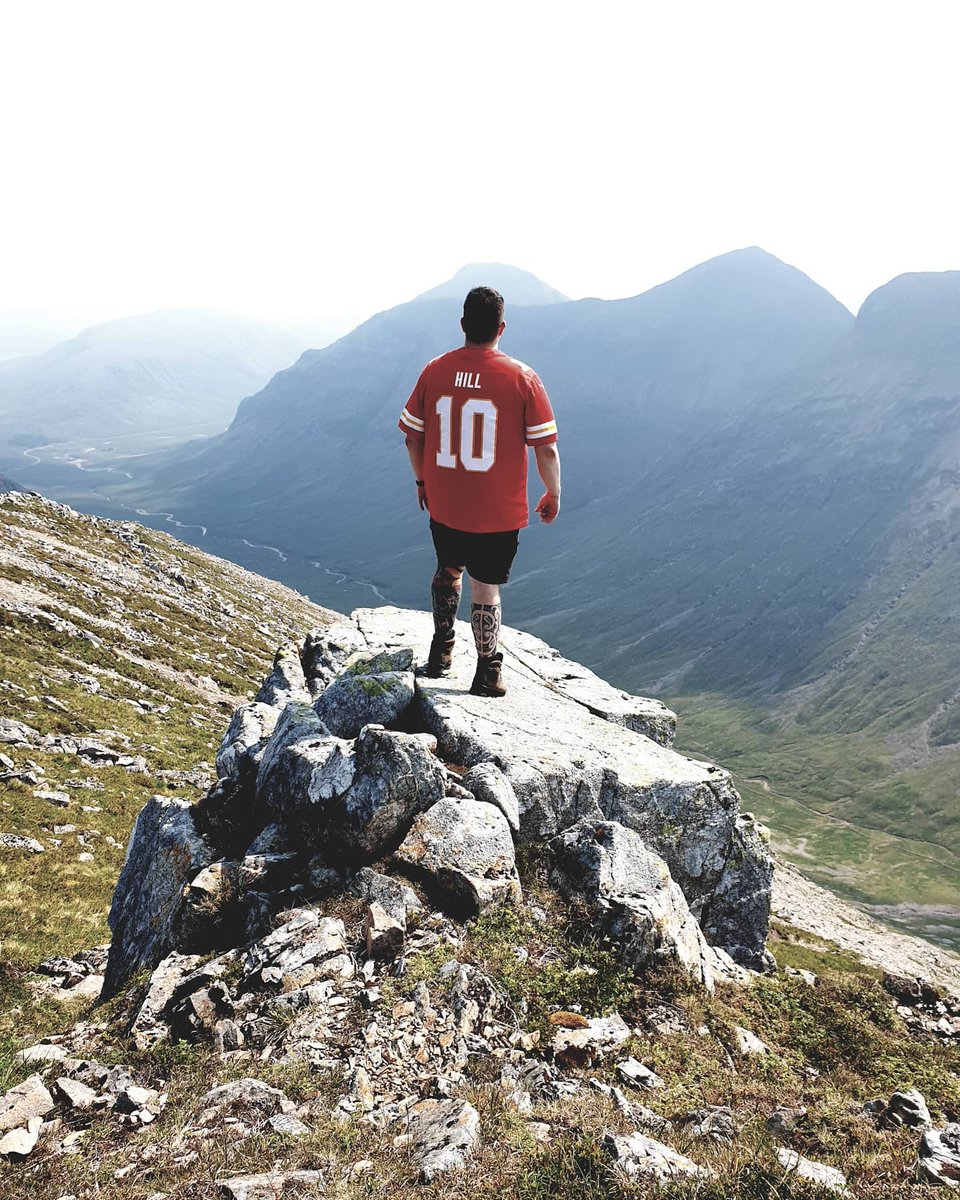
[485,620]
[445,594]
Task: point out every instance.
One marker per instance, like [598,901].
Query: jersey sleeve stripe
[538,431]
[413,422]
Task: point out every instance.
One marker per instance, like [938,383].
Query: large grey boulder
[464,850]
[326,651]
[285,683]
[565,762]
[303,768]
[396,777]
[634,898]
[358,698]
[242,746]
[164,853]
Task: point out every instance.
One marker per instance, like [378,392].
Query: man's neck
[468,345]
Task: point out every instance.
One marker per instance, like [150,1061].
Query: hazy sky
[295,159]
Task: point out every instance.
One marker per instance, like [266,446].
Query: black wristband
[419,483]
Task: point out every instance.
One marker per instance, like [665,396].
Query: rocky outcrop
[164,853]
[634,899]
[315,787]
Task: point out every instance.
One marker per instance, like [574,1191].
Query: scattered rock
[748,1043]
[393,895]
[442,1135]
[16,841]
[250,1101]
[713,1122]
[42,1052]
[584,1047]
[637,1075]
[907,1108]
[15,733]
[488,783]
[465,850]
[397,776]
[939,1157]
[75,1094]
[635,899]
[637,1154]
[382,933]
[59,798]
[806,1168]
[23,1102]
[18,1143]
[287,1125]
[242,746]
[273,1186]
[286,683]
[783,1121]
[357,698]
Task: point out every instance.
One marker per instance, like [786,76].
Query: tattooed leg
[485,620]
[445,595]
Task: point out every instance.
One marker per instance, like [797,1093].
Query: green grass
[836,805]
[170,635]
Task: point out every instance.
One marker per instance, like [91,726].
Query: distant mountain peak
[518,287]
[916,311]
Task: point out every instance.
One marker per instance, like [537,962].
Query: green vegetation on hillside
[136,642]
[838,807]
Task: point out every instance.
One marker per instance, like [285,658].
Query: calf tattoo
[485,621]
[445,594]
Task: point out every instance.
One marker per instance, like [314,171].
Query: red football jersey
[478,410]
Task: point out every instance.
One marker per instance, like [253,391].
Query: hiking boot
[487,680]
[440,659]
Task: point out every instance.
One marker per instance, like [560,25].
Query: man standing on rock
[468,424]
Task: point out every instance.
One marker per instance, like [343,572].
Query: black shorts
[487,557]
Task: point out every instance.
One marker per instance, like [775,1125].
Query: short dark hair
[482,314]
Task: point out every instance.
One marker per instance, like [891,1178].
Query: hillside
[163,372]
[357,1033]
[779,498]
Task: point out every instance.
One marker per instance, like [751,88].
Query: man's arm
[414,444]
[548,468]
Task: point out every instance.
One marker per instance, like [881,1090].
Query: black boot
[488,681]
[440,659]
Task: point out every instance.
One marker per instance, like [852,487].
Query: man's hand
[548,508]
[422,496]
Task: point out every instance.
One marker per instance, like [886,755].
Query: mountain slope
[161,371]
[652,369]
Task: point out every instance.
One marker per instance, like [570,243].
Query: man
[468,424]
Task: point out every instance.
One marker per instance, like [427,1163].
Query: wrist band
[419,483]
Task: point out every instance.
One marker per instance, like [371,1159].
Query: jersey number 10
[472,439]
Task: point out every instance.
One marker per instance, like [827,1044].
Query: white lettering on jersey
[467,379]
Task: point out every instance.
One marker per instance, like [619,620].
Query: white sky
[298,159]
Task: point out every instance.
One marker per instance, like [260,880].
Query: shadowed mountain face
[7,485]
[159,372]
[634,383]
